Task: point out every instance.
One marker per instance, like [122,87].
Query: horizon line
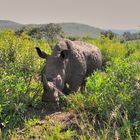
[102,28]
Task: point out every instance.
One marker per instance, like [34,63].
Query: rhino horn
[48,85]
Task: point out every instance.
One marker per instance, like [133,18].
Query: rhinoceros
[67,67]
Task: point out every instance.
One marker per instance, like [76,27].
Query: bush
[108,109]
[109,48]
[111,100]
[19,67]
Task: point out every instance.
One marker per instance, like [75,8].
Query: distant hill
[9,24]
[77,29]
[121,31]
[71,29]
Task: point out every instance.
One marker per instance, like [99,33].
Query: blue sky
[107,14]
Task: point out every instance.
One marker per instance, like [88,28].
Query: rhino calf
[67,67]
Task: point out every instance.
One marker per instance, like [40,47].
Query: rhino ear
[64,54]
[42,54]
[69,44]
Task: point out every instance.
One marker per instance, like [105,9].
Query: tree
[108,34]
[127,36]
[52,32]
[131,36]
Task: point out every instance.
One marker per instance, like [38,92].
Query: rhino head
[55,70]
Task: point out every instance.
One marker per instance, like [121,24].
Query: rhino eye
[64,54]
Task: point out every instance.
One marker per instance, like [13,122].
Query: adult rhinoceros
[67,67]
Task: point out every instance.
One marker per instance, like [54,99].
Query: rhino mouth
[51,92]
[50,97]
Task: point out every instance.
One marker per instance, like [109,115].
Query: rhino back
[92,55]
[83,60]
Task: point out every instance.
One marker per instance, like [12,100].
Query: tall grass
[108,109]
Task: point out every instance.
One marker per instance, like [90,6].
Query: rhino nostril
[49,79]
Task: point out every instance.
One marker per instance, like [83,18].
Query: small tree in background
[127,36]
[52,32]
[108,34]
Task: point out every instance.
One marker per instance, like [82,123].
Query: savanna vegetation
[108,109]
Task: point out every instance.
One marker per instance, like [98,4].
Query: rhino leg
[83,85]
[70,89]
[66,90]
[74,87]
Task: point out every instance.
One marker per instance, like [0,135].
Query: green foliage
[52,32]
[108,34]
[19,84]
[49,131]
[108,109]
[109,48]
[112,97]
[131,36]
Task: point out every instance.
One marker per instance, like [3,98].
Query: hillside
[71,29]
[9,24]
[76,29]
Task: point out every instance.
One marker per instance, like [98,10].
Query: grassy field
[108,109]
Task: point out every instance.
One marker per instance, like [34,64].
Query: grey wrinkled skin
[67,67]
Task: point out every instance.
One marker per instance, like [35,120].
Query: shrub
[110,104]
[109,107]
[19,67]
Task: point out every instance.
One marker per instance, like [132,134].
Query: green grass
[108,109]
